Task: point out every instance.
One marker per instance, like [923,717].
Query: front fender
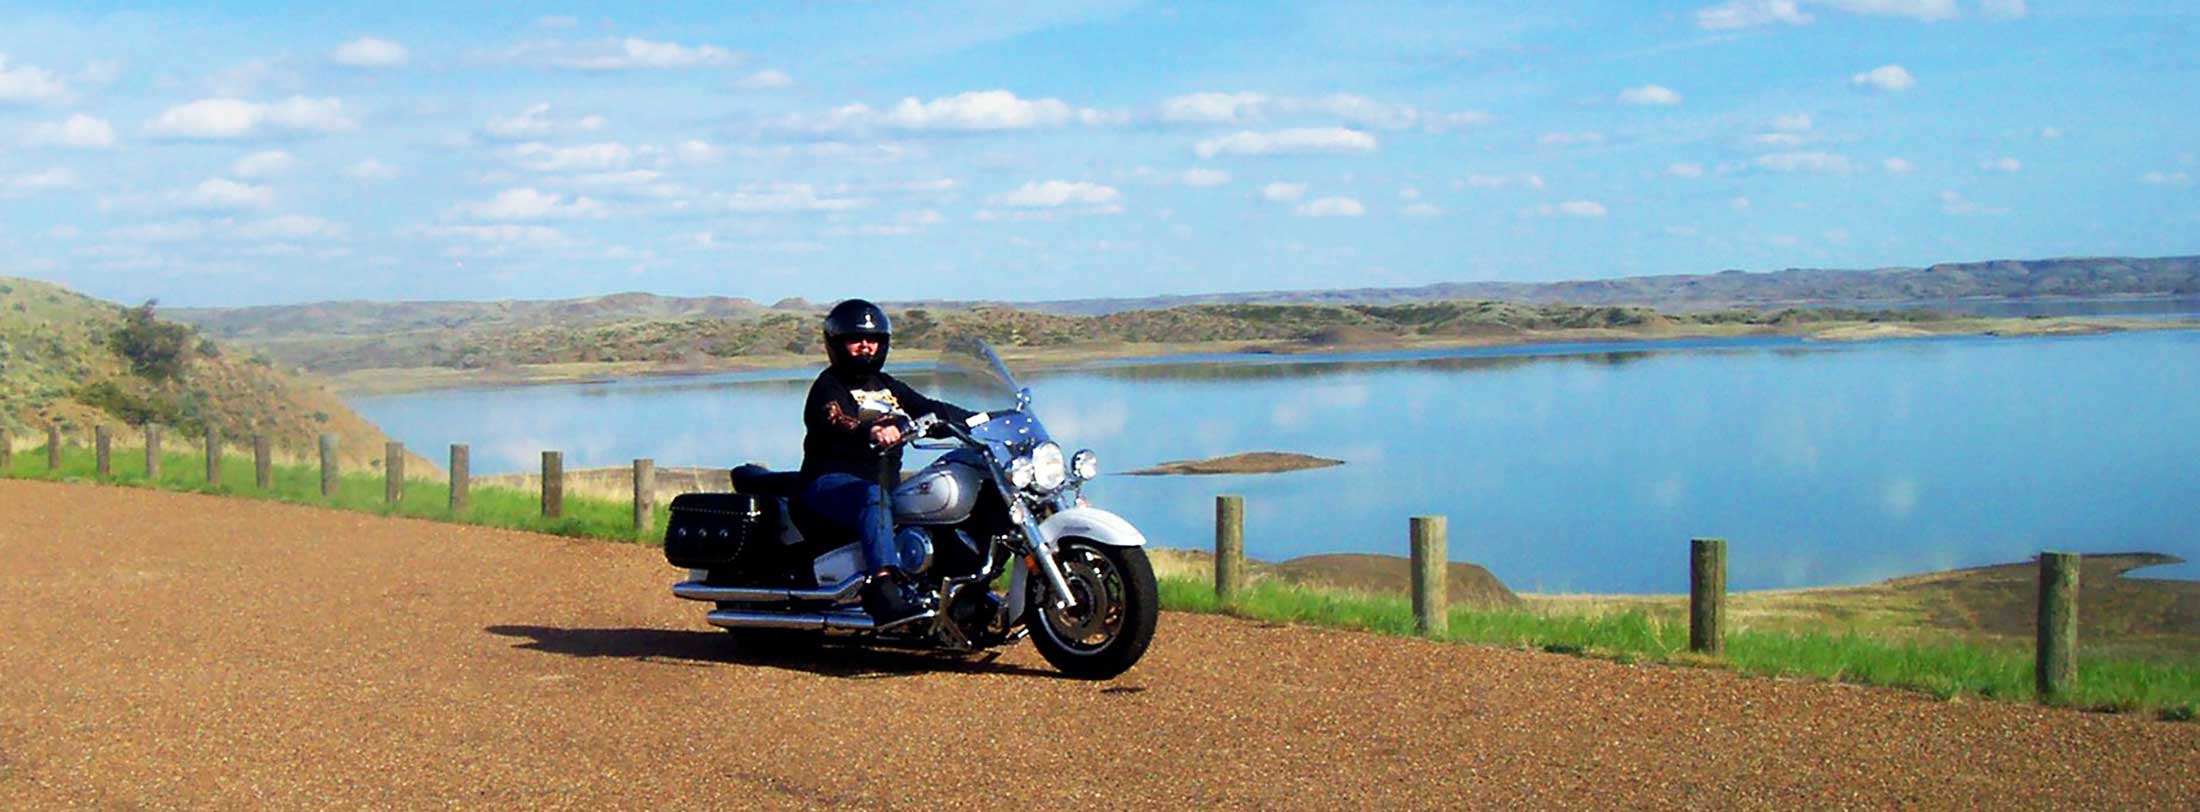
[1092,523]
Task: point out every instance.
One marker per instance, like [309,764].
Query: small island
[1254,462]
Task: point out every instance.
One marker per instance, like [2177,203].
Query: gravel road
[163,650]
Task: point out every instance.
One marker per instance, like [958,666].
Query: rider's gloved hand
[885,434]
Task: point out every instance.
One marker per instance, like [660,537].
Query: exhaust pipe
[838,593]
[813,621]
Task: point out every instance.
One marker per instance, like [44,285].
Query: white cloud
[100,72]
[1573,208]
[1684,170]
[371,169]
[506,235]
[1926,10]
[1058,193]
[1792,123]
[1422,210]
[1782,140]
[524,203]
[1568,139]
[1953,202]
[1361,110]
[1446,122]
[78,132]
[1650,95]
[978,111]
[1202,178]
[535,156]
[289,227]
[536,122]
[765,79]
[1897,166]
[1214,108]
[2003,164]
[1331,207]
[633,53]
[370,52]
[158,232]
[1889,78]
[781,197]
[237,118]
[1751,14]
[224,194]
[1281,192]
[1312,139]
[2050,133]
[29,83]
[265,164]
[2003,9]
[50,180]
[1820,162]
[1526,180]
[2177,178]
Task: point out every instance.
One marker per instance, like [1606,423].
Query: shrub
[156,349]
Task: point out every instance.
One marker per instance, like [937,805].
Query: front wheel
[1118,606]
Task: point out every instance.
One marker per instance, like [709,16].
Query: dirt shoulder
[182,651]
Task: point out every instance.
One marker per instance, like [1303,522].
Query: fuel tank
[943,493]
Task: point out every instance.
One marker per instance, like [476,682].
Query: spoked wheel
[1117,607]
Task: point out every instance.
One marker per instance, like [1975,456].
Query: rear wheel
[1117,607]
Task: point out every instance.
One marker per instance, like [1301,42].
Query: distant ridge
[2006,279]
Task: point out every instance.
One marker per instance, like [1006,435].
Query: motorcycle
[1002,500]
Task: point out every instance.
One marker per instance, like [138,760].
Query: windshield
[968,363]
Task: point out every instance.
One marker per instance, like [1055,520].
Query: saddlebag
[714,530]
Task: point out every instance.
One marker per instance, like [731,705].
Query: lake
[1579,467]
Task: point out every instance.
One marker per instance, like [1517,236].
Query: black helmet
[856,317]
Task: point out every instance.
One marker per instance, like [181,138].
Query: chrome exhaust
[840,621]
[838,593]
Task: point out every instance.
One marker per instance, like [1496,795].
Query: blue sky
[254,153]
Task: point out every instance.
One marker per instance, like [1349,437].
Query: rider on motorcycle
[854,425]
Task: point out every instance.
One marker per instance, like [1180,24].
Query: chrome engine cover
[943,493]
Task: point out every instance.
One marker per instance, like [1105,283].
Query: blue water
[1561,468]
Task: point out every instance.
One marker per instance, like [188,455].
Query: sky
[244,153]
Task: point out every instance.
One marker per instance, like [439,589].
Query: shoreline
[406,380]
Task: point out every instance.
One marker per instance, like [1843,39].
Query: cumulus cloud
[1422,210]
[1331,207]
[370,52]
[1784,140]
[370,169]
[226,194]
[525,203]
[536,122]
[1572,208]
[2003,9]
[1792,123]
[1248,108]
[975,111]
[502,235]
[1897,166]
[289,227]
[765,79]
[29,83]
[2003,164]
[1214,108]
[1277,142]
[78,132]
[1757,13]
[1526,180]
[265,164]
[1060,193]
[1684,170]
[1204,177]
[1751,14]
[50,180]
[1819,162]
[1281,192]
[2173,178]
[1569,139]
[536,156]
[634,53]
[773,198]
[1658,95]
[1887,78]
[2050,133]
[224,118]
[1953,202]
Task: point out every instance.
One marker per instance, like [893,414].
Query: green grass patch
[2166,686]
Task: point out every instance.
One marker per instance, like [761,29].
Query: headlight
[1019,472]
[1086,465]
[1048,469]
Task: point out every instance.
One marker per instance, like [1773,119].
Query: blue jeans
[852,505]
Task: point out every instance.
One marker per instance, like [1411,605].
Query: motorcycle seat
[762,481]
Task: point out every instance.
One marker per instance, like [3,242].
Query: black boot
[888,598]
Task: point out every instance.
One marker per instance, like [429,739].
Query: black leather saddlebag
[715,530]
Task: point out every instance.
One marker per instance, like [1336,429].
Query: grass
[2165,685]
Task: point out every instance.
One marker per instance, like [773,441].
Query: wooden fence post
[2055,665]
[1229,547]
[7,452]
[263,462]
[461,462]
[213,458]
[1707,596]
[152,452]
[53,448]
[328,465]
[1431,566]
[102,444]
[645,494]
[393,472]
[553,484]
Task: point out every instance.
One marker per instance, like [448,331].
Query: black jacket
[837,440]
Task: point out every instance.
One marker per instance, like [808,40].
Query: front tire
[1118,606]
